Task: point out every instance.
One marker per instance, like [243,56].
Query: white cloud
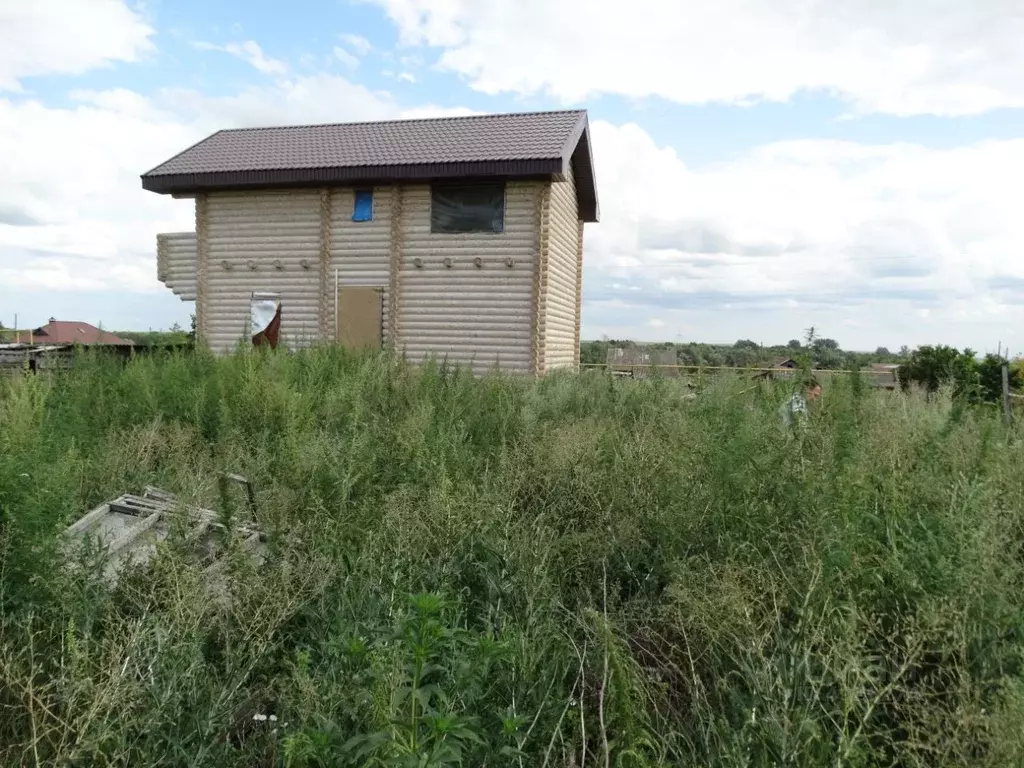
[74,182]
[797,232]
[408,77]
[320,98]
[415,113]
[250,52]
[44,37]
[357,43]
[67,154]
[73,215]
[345,57]
[901,57]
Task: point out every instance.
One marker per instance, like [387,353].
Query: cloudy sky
[763,165]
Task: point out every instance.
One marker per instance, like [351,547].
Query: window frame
[355,202]
[450,185]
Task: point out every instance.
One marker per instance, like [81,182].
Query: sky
[763,166]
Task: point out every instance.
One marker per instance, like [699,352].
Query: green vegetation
[970,378]
[507,573]
[8,335]
[175,336]
[822,353]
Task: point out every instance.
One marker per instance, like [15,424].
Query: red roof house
[71,332]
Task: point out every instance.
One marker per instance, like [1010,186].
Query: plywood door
[360,311]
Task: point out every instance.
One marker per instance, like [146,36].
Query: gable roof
[71,332]
[522,145]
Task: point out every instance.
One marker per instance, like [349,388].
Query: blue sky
[763,165]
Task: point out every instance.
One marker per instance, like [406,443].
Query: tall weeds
[492,571]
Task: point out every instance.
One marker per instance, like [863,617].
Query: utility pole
[1007,413]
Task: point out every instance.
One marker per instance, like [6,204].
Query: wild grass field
[500,572]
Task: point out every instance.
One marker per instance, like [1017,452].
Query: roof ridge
[392,121]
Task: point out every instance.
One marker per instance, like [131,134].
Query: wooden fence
[882,379]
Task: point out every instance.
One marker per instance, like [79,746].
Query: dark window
[467,208]
[362,210]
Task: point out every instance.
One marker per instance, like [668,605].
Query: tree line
[972,377]
[822,353]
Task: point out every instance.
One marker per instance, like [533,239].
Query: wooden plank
[122,525]
[250,494]
[132,507]
[152,492]
[360,315]
[133,533]
[89,518]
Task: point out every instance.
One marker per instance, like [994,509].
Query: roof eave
[180,183]
[578,153]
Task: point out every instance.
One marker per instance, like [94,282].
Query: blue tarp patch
[363,209]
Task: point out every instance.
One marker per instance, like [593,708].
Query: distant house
[885,375]
[778,369]
[71,332]
[458,237]
[627,357]
[638,361]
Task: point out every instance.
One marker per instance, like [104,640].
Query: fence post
[1007,414]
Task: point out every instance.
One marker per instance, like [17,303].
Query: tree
[746,344]
[934,366]
[883,352]
[712,356]
[990,377]
[741,357]
[594,352]
[826,352]
[793,344]
[820,344]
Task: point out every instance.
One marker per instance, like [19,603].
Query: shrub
[508,572]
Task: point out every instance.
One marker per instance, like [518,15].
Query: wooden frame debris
[130,527]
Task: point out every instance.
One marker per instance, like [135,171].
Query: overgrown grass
[578,571]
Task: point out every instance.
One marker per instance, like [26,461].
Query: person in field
[796,407]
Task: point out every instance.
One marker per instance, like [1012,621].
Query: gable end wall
[560,287]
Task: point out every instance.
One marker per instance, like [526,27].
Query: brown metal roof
[72,332]
[524,145]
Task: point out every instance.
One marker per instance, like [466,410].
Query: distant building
[626,360]
[638,361]
[885,375]
[666,361]
[71,332]
[779,369]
